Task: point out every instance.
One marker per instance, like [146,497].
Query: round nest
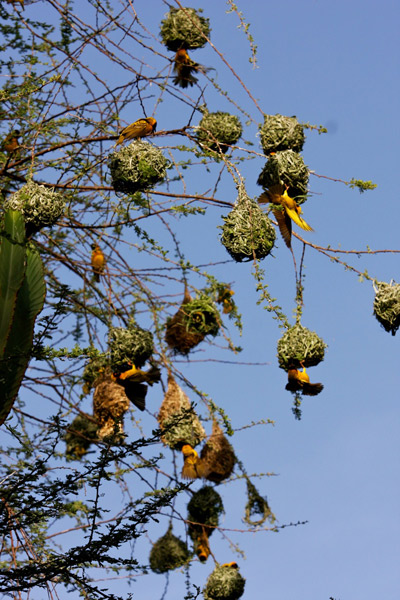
[300,347]
[217,457]
[92,370]
[205,507]
[286,168]
[224,583]
[168,553]
[138,166]
[130,346]
[79,436]
[219,130]
[40,205]
[184,28]
[257,505]
[178,420]
[387,305]
[281,133]
[247,232]
[194,320]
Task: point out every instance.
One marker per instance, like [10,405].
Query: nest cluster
[219,130]
[40,205]
[286,168]
[184,28]
[247,231]
[138,166]
[300,347]
[168,553]
[387,305]
[178,420]
[224,583]
[281,133]
[130,346]
[79,436]
[195,319]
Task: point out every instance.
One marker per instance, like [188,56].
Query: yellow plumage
[138,129]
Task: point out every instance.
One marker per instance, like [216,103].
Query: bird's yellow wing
[298,219]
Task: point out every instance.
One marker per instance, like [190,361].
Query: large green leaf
[30,300]
[12,270]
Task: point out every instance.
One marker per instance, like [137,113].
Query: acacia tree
[70,85]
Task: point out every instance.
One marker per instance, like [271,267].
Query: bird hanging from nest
[139,129]
[184,67]
[10,144]
[285,210]
[299,381]
[133,381]
[202,546]
[191,459]
[98,262]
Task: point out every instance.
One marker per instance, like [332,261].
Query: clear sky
[334,64]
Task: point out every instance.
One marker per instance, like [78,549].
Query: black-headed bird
[299,381]
[184,67]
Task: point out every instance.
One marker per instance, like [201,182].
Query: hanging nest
[247,232]
[286,168]
[300,347]
[204,509]
[257,505]
[281,133]
[168,553]
[184,28]
[217,457]
[79,436]
[194,320]
[95,367]
[224,583]
[387,305]
[129,346]
[40,205]
[178,420]
[219,130]
[138,166]
[110,403]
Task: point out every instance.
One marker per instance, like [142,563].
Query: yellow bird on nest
[299,381]
[138,129]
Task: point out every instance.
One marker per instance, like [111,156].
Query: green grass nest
[40,205]
[79,436]
[184,28]
[300,347]
[219,130]
[205,507]
[130,346]
[224,583]
[247,231]
[387,305]
[137,167]
[281,133]
[286,168]
[168,553]
[182,427]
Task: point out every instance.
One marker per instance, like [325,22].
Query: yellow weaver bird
[184,67]
[289,212]
[202,546]
[98,262]
[299,381]
[138,129]
[133,381]
[191,459]
[232,565]
[11,143]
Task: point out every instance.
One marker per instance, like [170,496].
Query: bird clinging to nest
[286,211]
[299,381]
[139,129]
[191,459]
[184,67]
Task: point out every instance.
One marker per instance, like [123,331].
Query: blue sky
[334,64]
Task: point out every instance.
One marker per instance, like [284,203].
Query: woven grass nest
[217,457]
[139,166]
[387,305]
[281,133]
[247,232]
[168,553]
[110,403]
[195,319]
[286,168]
[205,507]
[129,346]
[300,347]
[79,436]
[178,420]
[219,130]
[184,28]
[40,205]
[257,505]
[92,370]
[224,583]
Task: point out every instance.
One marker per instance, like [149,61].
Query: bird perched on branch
[299,381]
[138,129]
[191,459]
[184,67]
[10,144]
[98,262]
[287,212]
